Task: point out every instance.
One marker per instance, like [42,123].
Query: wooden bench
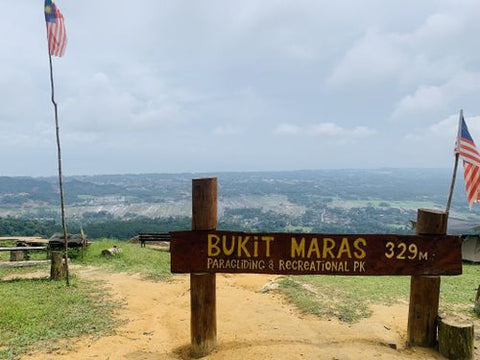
[153,237]
[21,252]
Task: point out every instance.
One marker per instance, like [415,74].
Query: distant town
[319,201]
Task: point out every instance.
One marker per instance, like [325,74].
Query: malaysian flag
[56,34]
[466,148]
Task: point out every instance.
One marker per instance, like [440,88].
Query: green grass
[458,292]
[151,263]
[5,272]
[348,297]
[36,312]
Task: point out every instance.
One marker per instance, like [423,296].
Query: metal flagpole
[60,181]
[457,155]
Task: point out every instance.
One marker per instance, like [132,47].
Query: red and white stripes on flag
[56,34]
[466,148]
[472,182]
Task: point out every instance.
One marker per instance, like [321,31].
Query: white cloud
[302,52]
[437,29]
[104,105]
[226,130]
[327,129]
[445,130]
[433,98]
[180,76]
[373,58]
[433,51]
[424,98]
[287,129]
[331,129]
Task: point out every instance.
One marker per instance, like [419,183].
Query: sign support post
[203,321]
[425,290]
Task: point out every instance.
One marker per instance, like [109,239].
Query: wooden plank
[147,236]
[34,242]
[23,238]
[327,254]
[23,248]
[23,263]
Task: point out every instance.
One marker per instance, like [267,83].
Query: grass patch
[458,292]
[4,272]
[36,312]
[39,311]
[348,297]
[152,263]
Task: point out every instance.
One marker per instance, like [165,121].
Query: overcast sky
[205,86]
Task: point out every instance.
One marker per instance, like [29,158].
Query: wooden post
[203,322]
[56,268]
[425,290]
[476,307]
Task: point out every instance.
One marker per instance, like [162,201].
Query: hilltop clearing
[251,325]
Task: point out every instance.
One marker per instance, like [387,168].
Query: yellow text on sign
[402,251]
[241,246]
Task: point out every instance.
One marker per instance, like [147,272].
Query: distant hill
[317,200]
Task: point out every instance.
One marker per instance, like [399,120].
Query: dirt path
[251,325]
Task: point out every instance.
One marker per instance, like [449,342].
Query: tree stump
[111,252]
[18,255]
[455,338]
[57,271]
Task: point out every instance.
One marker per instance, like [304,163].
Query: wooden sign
[300,254]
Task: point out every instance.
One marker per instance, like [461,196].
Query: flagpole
[60,181]
[452,185]
[457,155]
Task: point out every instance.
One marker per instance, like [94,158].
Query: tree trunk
[455,338]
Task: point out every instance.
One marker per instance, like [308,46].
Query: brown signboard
[300,254]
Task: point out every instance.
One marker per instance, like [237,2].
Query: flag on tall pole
[57,42]
[56,34]
[465,147]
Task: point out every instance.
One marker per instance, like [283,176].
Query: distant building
[470,233]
